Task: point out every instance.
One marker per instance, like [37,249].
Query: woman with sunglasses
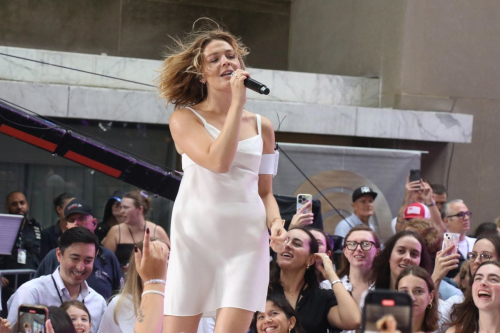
[360,248]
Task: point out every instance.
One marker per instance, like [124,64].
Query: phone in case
[414,175]
[386,311]
[449,239]
[32,318]
[302,200]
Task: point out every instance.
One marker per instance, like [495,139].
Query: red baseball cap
[417,210]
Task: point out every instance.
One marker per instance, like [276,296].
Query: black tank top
[123,251]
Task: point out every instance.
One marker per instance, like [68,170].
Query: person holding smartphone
[418,191]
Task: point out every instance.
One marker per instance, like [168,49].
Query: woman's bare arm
[192,139]
[151,264]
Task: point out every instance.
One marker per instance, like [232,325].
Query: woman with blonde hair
[225,203]
[122,311]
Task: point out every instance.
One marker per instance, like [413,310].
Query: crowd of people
[84,277]
[124,275]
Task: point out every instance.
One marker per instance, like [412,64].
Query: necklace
[132,235]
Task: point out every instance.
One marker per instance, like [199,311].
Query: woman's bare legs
[176,324]
[233,320]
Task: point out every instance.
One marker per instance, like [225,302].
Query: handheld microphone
[255,85]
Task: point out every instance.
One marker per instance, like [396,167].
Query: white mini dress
[220,243]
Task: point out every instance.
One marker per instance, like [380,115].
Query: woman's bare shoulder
[181,118]
[451,329]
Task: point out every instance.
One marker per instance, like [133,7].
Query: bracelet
[155,281]
[334,282]
[432,204]
[278,218]
[153,292]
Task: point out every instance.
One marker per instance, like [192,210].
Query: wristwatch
[432,204]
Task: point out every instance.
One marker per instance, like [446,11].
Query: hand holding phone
[445,262]
[414,175]
[32,318]
[387,309]
[450,243]
[302,200]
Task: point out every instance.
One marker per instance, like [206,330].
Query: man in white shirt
[76,253]
[363,208]
[456,217]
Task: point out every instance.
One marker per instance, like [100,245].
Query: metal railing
[16,273]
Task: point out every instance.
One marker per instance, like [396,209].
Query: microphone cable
[277,147]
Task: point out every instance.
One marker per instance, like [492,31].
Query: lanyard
[59,294]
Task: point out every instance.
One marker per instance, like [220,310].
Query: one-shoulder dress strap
[259,124]
[198,115]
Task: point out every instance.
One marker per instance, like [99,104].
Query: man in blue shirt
[363,206]
[106,277]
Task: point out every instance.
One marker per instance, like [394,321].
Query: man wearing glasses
[456,217]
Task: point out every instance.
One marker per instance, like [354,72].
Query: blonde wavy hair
[181,70]
[133,286]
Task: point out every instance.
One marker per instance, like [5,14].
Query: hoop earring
[429,306]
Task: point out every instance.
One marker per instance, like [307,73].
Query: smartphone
[414,175]
[449,239]
[387,311]
[302,200]
[32,318]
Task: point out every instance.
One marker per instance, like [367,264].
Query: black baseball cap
[363,190]
[77,206]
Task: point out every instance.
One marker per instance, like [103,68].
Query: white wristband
[153,292]
[155,281]
[334,282]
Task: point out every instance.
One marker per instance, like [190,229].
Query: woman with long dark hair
[112,215]
[479,312]
[404,249]
[294,276]
[279,317]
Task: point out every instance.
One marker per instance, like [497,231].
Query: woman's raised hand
[278,237]
[444,263]
[152,262]
[238,88]
[327,268]
[302,219]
